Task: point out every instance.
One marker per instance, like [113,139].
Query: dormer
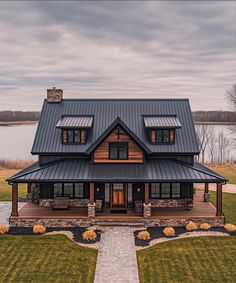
[75,129]
[161,129]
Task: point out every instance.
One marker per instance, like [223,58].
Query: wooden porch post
[219,211]
[28,188]
[206,188]
[146,193]
[91,193]
[14,200]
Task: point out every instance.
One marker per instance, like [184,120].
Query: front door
[99,192]
[118,195]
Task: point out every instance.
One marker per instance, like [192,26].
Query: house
[126,159]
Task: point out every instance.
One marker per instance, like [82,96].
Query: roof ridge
[125,99]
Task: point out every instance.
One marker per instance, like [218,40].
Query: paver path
[5,211]
[117,257]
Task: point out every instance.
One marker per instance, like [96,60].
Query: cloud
[117,49]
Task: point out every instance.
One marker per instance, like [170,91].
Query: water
[16,140]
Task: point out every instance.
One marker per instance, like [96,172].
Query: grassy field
[5,189]
[229,206]
[45,259]
[202,259]
[226,170]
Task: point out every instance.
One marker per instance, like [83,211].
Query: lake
[16,140]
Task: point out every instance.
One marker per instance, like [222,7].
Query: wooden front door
[99,192]
[118,195]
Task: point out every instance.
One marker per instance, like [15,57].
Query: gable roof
[104,112]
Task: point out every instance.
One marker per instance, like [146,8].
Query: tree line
[12,116]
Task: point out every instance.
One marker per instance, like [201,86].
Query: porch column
[91,205]
[146,193]
[28,188]
[219,211]
[14,200]
[206,193]
[147,212]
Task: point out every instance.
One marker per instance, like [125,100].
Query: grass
[5,189]
[201,259]
[229,206]
[45,259]
[226,170]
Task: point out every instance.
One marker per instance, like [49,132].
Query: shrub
[205,226]
[230,227]
[39,229]
[4,229]
[89,235]
[169,231]
[191,226]
[143,235]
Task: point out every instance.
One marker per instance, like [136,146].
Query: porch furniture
[98,205]
[138,206]
[60,203]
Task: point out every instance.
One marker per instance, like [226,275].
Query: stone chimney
[54,95]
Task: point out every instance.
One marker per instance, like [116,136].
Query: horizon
[117,50]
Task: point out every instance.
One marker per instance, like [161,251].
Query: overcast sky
[117,49]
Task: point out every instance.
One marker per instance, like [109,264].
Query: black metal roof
[105,112]
[162,170]
[162,122]
[75,122]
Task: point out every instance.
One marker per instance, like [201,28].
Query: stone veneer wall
[168,202]
[72,202]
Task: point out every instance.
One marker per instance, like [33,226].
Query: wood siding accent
[101,153]
[153,136]
[64,136]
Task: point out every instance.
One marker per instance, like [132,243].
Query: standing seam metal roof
[130,111]
[75,122]
[162,122]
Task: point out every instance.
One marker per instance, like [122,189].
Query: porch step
[120,222]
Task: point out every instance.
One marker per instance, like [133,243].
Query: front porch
[201,211]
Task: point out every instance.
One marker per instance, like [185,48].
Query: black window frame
[171,197]
[73,130]
[118,144]
[162,136]
[65,195]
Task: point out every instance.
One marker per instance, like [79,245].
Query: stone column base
[91,210]
[147,210]
[207,197]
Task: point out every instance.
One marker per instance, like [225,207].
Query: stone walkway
[5,211]
[117,257]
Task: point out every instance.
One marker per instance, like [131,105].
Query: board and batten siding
[101,153]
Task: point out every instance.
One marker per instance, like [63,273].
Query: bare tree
[204,135]
[212,145]
[223,147]
[231,96]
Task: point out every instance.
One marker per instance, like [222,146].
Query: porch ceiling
[162,170]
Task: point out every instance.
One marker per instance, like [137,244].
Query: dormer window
[162,136]
[161,129]
[75,129]
[70,136]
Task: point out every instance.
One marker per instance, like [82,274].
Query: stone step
[120,224]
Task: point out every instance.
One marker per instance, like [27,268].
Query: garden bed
[76,232]
[157,233]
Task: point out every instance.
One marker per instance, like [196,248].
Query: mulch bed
[76,231]
[157,232]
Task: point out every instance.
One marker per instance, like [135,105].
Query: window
[74,136]
[79,190]
[175,190]
[165,190]
[68,190]
[118,150]
[71,190]
[155,190]
[163,136]
[57,190]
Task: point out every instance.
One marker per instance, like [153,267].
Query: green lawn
[229,206]
[5,189]
[202,259]
[45,259]
[226,170]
